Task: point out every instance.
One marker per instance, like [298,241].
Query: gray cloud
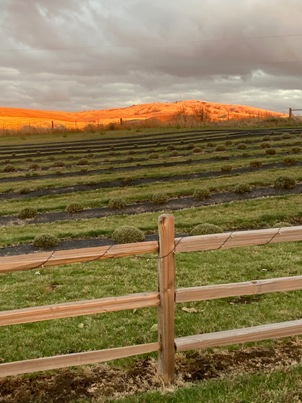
[77,55]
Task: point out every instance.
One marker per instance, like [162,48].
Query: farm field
[82,188]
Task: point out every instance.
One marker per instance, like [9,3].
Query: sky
[76,55]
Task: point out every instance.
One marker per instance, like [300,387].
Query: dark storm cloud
[72,54]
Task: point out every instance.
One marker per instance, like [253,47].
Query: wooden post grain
[166,285]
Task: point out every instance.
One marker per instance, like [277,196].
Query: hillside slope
[15,118]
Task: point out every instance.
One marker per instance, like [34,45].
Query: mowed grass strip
[250,214]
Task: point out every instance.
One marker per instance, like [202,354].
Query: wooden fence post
[166,288]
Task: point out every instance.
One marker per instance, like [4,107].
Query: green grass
[279,386]
[99,279]
[131,275]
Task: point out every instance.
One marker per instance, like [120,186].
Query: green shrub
[153,156]
[204,229]
[190,146]
[226,168]
[28,212]
[220,148]
[296,150]
[160,198]
[58,164]
[241,146]
[117,204]
[256,164]
[128,234]
[197,150]
[242,188]
[284,182]
[202,194]
[286,136]
[174,154]
[45,241]
[127,181]
[228,143]
[267,138]
[245,155]
[34,166]
[290,161]
[9,168]
[24,191]
[74,208]
[170,147]
[265,145]
[83,161]
[270,151]
[210,145]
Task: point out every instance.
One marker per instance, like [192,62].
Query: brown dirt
[103,382]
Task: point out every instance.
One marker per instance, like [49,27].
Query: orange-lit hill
[15,118]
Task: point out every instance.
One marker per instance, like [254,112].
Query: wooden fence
[164,299]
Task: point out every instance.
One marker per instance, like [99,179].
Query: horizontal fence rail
[79,308]
[186,244]
[56,258]
[253,287]
[234,336]
[238,239]
[164,300]
[70,360]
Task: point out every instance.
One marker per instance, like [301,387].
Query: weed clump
[128,234]
[28,212]
[45,241]
[197,150]
[206,228]
[284,182]
[117,204]
[202,194]
[74,208]
[242,188]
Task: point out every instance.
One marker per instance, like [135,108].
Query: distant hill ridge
[14,118]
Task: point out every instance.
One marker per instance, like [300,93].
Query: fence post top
[163,217]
